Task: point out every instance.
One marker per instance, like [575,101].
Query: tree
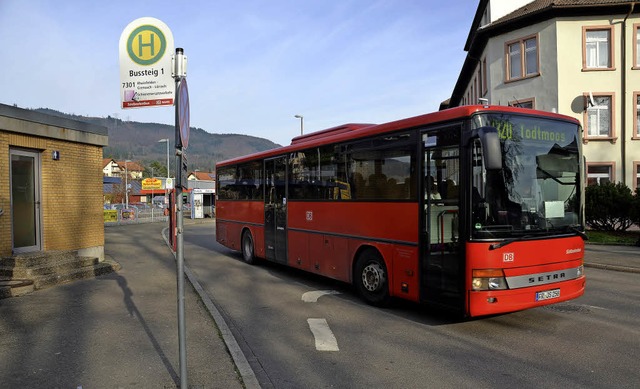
[159,170]
[607,207]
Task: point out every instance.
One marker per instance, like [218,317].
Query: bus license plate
[548,294]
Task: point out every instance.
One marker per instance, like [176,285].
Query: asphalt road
[294,334]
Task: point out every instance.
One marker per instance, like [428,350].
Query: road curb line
[625,269]
[242,364]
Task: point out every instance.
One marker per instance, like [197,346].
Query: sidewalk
[114,331]
[619,258]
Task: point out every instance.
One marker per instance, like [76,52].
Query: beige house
[133,169]
[110,168]
[576,57]
[50,184]
[202,176]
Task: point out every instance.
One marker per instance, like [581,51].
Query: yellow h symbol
[143,45]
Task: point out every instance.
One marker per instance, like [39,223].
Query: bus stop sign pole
[182,139]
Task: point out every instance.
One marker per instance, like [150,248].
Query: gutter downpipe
[623,146]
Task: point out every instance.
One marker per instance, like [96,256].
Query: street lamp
[126,184]
[301,123]
[166,188]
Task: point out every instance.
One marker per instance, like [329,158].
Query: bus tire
[371,278]
[248,249]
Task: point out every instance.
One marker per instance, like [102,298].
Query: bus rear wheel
[371,278]
[247,247]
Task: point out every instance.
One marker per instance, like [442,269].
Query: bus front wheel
[371,279]
[247,247]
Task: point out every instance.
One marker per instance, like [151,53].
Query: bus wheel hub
[373,277]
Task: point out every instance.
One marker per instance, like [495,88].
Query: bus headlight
[488,279]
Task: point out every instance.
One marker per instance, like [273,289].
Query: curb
[245,371]
[625,269]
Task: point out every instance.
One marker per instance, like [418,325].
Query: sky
[252,64]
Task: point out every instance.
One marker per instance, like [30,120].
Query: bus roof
[359,130]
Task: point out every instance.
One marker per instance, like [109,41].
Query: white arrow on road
[312,297]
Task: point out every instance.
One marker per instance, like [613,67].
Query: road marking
[312,297]
[594,307]
[325,341]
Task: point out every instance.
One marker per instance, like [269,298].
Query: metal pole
[168,158]
[126,186]
[152,197]
[182,333]
[301,123]
[166,189]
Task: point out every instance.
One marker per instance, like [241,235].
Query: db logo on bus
[508,257]
[309,216]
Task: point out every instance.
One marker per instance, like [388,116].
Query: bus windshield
[537,191]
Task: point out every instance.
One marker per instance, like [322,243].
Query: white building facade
[576,57]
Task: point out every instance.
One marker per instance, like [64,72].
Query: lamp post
[301,123]
[126,184]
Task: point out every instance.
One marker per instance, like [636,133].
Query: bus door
[275,210]
[442,264]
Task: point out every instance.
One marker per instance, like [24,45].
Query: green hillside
[139,142]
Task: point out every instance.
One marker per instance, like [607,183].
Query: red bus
[477,209]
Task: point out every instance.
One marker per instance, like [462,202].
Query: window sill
[613,140]
[522,78]
[598,69]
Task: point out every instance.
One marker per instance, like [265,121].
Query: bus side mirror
[491,153]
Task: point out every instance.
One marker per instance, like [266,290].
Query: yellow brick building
[50,184]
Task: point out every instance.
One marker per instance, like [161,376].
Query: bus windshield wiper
[509,241]
[582,234]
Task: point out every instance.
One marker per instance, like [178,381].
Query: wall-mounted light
[55,155]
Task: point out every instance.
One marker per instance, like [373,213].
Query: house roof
[34,123]
[204,176]
[132,166]
[531,13]
[107,161]
[538,6]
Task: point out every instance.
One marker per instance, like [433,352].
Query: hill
[139,142]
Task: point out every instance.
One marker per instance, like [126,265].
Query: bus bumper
[482,303]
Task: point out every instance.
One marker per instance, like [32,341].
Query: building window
[636,46]
[599,117]
[523,103]
[636,112]
[597,49]
[475,91]
[599,174]
[485,85]
[636,169]
[522,58]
